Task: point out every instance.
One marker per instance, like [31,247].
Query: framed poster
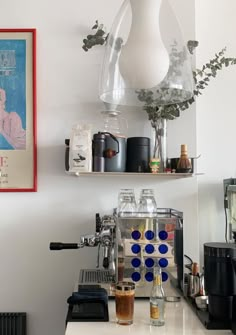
[18,156]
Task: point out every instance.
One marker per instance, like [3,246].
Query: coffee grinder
[220,267]
[230,210]
[220,281]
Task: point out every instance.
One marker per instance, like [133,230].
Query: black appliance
[220,282]
[101,152]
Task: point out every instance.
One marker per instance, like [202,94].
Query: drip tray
[95,276]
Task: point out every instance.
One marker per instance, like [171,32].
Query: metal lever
[106,252]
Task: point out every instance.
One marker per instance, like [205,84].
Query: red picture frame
[18,144]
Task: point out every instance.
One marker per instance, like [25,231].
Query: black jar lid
[138,140]
[99,136]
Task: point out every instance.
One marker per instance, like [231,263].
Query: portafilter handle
[61,246]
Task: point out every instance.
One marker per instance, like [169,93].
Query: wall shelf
[133,174]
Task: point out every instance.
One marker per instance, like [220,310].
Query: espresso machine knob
[105,263]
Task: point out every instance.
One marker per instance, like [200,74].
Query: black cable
[226,226]
[190,259]
[226,218]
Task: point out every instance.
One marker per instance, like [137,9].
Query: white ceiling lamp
[145,51]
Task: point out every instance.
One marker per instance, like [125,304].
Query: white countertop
[180,319]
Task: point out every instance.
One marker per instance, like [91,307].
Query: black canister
[219,268]
[138,154]
[220,279]
[234,316]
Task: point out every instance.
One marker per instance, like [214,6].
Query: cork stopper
[195,269]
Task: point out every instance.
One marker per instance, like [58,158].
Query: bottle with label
[157,300]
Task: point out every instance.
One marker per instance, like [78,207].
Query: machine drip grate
[95,276]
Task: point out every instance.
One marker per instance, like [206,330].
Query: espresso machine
[129,246]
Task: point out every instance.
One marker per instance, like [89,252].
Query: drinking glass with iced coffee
[124,297]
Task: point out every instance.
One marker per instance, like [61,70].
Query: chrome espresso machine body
[128,248]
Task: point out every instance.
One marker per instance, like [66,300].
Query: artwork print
[12,95]
[18,160]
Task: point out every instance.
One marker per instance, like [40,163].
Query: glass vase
[159,142]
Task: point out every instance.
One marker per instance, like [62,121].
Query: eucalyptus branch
[98,38]
[201,76]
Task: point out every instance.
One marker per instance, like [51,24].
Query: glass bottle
[157,300]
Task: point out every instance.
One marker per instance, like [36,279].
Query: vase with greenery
[159,115]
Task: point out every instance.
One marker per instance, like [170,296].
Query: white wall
[33,279]
[216,117]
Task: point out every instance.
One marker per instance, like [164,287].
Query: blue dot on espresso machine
[136,262]
[136,235]
[135,248]
[164,276]
[149,234]
[136,276]
[163,235]
[149,262]
[163,262]
[149,248]
[163,248]
[149,276]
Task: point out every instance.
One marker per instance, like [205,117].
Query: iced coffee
[124,296]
